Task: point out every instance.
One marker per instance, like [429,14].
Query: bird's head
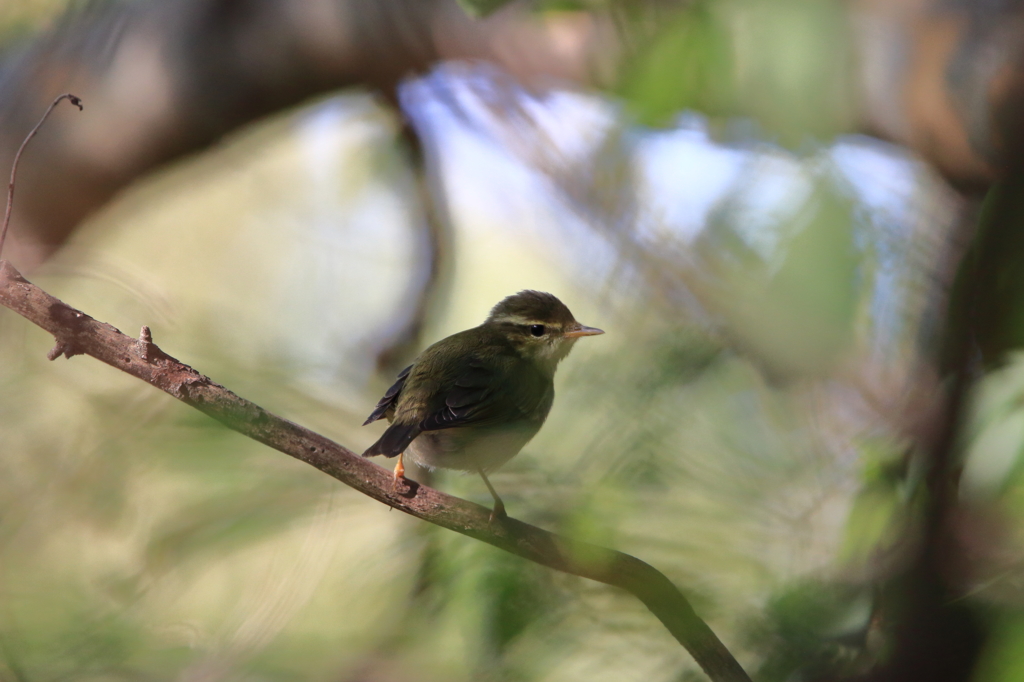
[538,325]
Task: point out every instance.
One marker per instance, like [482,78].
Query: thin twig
[17,157]
[76,333]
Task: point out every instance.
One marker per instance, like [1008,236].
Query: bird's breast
[471,448]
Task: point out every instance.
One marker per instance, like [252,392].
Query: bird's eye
[537,329]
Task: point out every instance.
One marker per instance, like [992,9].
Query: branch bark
[78,334]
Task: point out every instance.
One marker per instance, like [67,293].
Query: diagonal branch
[78,334]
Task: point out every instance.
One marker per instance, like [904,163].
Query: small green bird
[472,401]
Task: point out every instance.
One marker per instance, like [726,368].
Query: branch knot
[64,347]
[144,346]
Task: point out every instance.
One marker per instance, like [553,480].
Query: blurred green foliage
[1005,660]
[481,8]
[794,306]
[813,630]
[784,63]
[689,65]
[20,18]
[881,516]
[994,443]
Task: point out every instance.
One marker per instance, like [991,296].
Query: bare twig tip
[75,100]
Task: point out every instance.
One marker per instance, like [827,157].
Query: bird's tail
[394,441]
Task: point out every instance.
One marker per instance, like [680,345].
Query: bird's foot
[498,513]
[399,473]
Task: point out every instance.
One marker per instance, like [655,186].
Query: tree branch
[78,334]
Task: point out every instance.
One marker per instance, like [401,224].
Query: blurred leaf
[687,65]
[813,631]
[518,594]
[996,452]
[481,8]
[880,513]
[793,304]
[995,434]
[18,18]
[785,63]
[793,67]
[871,525]
[1003,660]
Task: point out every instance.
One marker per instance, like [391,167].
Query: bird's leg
[499,507]
[399,470]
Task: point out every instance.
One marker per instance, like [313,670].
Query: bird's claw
[399,473]
[498,513]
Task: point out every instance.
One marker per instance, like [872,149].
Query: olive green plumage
[472,400]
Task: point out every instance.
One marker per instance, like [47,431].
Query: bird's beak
[581,330]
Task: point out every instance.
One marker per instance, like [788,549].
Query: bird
[472,400]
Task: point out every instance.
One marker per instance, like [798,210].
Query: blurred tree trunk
[945,78]
[163,79]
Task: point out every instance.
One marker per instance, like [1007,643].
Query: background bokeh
[772,274]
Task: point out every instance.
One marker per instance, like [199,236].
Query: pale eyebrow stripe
[526,322]
[516,319]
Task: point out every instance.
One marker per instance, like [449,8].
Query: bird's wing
[482,394]
[389,399]
[470,399]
